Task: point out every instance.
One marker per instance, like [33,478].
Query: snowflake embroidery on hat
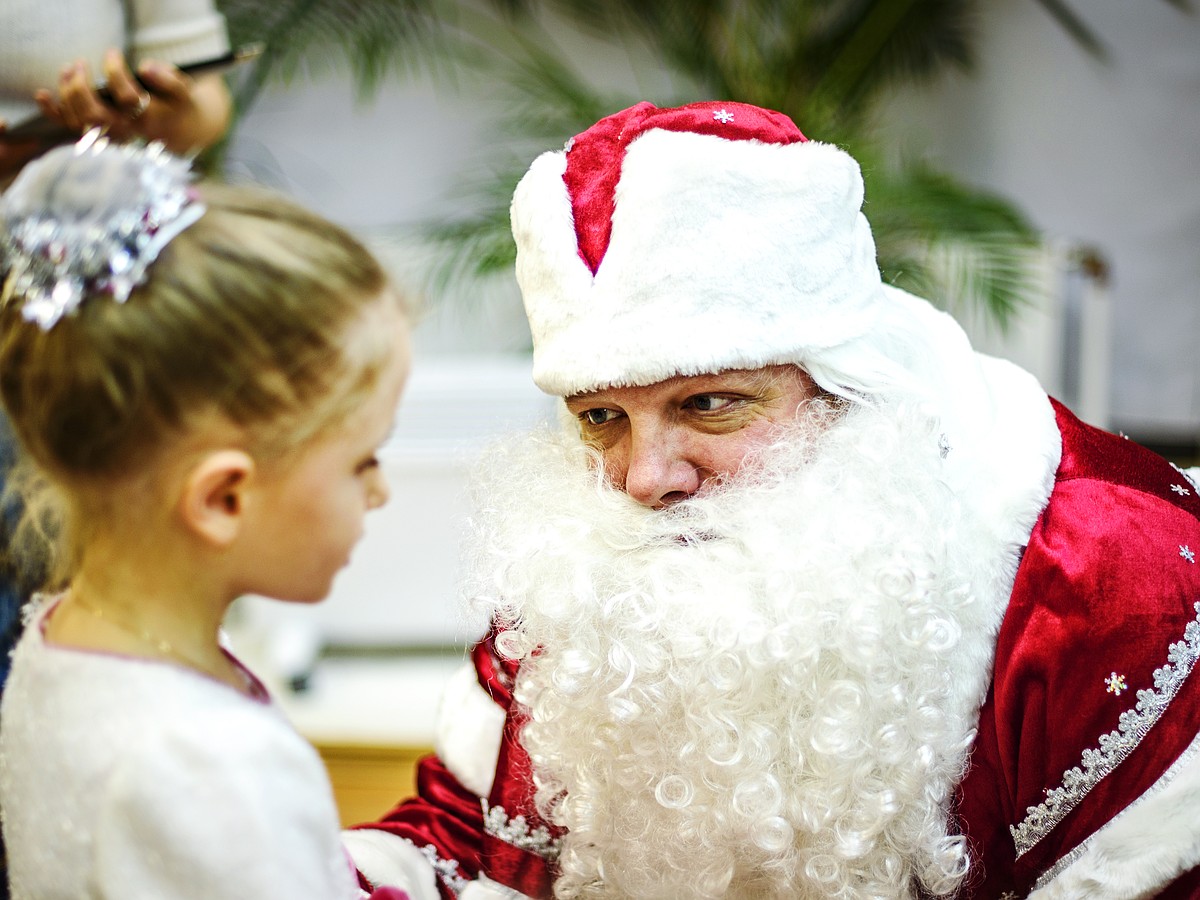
[1116,684]
[1180,490]
[723,116]
[1187,553]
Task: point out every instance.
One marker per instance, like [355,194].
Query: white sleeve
[1143,849]
[469,730]
[235,808]
[178,31]
[392,861]
[484,888]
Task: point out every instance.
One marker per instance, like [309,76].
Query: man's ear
[213,503]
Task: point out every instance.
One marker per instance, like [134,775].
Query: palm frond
[936,238]
[1077,28]
[548,100]
[957,246]
[373,39]
[874,44]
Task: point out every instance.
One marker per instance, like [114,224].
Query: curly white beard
[765,691]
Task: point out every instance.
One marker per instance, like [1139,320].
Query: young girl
[201,376]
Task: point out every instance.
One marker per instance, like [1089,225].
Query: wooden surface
[368,780]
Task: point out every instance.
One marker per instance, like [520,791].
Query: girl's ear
[213,502]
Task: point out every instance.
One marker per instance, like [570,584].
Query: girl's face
[310,510]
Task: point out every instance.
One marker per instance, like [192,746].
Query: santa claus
[806,598]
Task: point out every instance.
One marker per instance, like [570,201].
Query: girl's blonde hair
[255,314]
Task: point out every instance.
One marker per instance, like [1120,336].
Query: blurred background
[1031,166]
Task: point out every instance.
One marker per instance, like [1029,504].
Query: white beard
[759,692]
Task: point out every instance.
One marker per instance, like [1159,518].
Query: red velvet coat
[1093,697]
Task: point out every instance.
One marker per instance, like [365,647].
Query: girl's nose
[378,492]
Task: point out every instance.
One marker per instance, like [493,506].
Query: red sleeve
[444,816]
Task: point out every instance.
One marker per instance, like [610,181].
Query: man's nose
[659,471]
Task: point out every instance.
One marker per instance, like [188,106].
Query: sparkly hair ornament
[89,219]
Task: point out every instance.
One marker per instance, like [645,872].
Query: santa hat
[681,241]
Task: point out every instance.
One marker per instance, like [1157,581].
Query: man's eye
[597,416]
[709,402]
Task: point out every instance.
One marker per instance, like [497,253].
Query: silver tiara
[89,219]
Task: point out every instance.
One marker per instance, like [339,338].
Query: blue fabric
[10,594]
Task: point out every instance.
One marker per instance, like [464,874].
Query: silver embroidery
[1116,684]
[517,833]
[1190,474]
[447,870]
[1187,553]
[1181,490]
[1115,746]
[723,116]
[1186,759]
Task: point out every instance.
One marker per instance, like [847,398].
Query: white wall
[1103,154]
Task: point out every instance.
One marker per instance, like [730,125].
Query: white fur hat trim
[723,254]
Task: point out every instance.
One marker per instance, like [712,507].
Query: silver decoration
[1191,474]
[1115,684]
[1186,759]
[1115,747]
[517,833]
[446,869]
[88,220]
